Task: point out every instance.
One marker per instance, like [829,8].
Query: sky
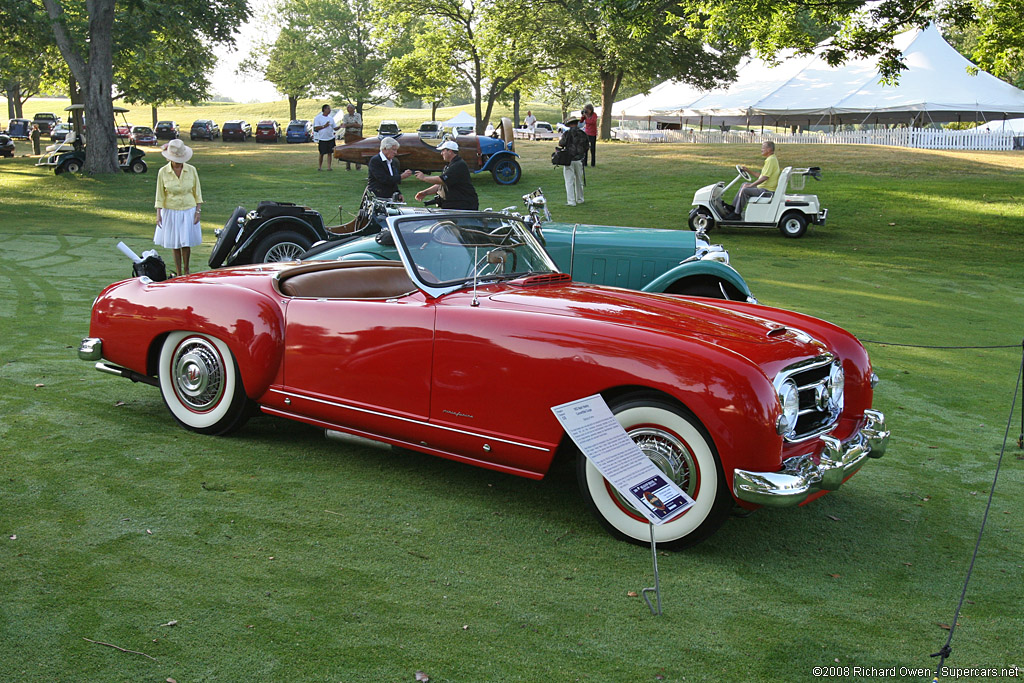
[224,80]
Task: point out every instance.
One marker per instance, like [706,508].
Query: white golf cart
[791,213]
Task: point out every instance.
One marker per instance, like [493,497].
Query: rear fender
[675,278]
[278,223]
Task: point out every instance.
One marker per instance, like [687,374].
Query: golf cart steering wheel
[744,173]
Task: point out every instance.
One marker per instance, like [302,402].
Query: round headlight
[836,387]
[789,401]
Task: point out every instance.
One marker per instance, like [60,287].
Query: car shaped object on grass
[46,121]
[167,130]
[481,153]
[300,130]
[430,130]
[6,146]
[204,129]
[143,135]
[236,130]
[542,130]
[68,156]
[267,131]
[461,348]
[388,129]
[646,259]
[19,129]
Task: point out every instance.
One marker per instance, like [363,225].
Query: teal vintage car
[645,259]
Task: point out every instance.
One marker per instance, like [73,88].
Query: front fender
[692,269]
[492,159]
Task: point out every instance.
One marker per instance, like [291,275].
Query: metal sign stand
[657,581]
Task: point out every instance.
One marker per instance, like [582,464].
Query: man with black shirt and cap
[454,185]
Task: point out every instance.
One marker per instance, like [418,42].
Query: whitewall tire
[200,384]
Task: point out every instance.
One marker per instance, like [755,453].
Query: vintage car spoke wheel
[793,225]
[200,384]
[507,171]
[701,219]
[677,444]
[281,246]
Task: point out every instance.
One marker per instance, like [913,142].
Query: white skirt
[178,229]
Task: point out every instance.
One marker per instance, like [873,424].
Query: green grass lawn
[283,556]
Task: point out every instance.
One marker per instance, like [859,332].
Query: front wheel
[677,443]
[701,219]
[199,383]
[793,225]
[281,246]
[72,166]
[138,166]
[507,171]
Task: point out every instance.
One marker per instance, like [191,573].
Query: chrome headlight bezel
[836,388]
[789,406]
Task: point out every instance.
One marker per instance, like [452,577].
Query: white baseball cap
[448,144]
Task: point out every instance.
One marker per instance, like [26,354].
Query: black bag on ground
[561,157]
[152,267]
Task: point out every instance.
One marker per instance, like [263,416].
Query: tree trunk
[433,110]
[154,117]
[609,89]
[96,77]
[293,103]
[515,107]
[12,96]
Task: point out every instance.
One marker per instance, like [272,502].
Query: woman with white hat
[179,200]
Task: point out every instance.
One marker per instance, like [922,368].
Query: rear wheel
[677,443]
[281,246]
[701,219]
[200,384]
[138,166]
[71,166]
[793,224]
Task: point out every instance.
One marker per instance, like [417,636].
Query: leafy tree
[488,43]
[633,38]
[288,64]
[92,33]
[418,68]
[998,41]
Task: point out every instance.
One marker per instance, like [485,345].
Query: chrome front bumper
[91,348]
[800,476]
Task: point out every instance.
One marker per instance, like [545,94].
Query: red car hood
[667,314]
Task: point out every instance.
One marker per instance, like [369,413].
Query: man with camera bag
[576,145]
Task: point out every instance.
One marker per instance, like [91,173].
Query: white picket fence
[920,138]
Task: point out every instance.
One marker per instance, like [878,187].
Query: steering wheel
[441,229]
[744,173]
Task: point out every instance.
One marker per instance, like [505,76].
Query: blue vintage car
[645,259]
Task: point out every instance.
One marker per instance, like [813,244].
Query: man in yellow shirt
[764,185]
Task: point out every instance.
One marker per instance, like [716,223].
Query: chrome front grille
[816,417]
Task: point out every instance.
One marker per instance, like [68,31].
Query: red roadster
[461,348]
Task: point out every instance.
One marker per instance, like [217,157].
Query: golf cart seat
[66,145]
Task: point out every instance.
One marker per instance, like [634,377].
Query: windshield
[140,130]
[447,252]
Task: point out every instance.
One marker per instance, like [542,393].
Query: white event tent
[460,119]
[937,86]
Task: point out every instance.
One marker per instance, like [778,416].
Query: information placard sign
[589,422]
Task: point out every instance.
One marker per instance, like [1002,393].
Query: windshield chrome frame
[435,290]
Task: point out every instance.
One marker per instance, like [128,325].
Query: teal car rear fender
[702,278]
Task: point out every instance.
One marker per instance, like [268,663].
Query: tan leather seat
[353,280]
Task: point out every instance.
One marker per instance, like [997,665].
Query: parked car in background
[389,129]
[59,132]
[46,121]
[123,130]
[462,347]
[204,129]
[299,130]
[167,130]
[542,131]
[6,146]
[267,131]
[19,128]
[430,130]
[236,130]
[143,135]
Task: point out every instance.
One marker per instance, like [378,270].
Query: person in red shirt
[589,120]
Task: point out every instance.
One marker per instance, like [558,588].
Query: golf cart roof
[77,107]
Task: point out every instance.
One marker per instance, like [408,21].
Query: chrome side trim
[367,411]
[800,477]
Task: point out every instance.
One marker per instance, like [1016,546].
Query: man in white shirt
[531,125]
[324,129]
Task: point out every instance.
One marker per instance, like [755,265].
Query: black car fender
[252,234]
